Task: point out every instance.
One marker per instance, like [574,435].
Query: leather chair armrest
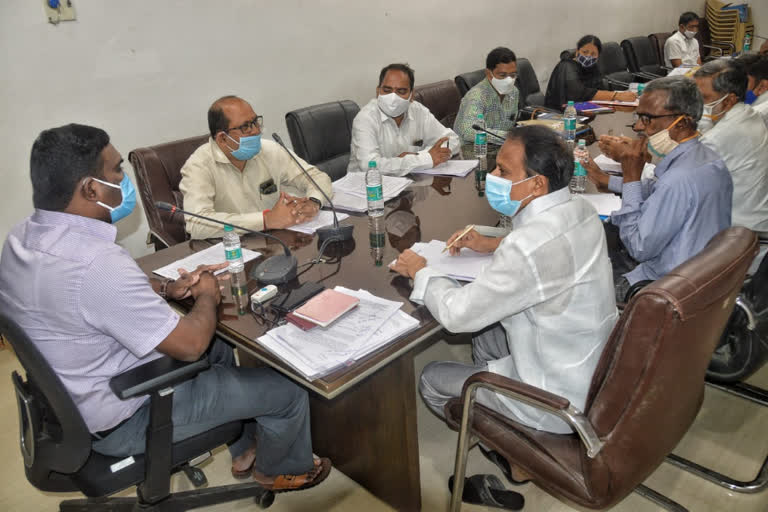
[534,397]
[154,376]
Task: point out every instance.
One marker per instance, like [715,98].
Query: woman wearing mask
[578,78]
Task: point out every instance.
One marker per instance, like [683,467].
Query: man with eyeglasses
[666,220]
[236,177]
[400,135]
[496,97]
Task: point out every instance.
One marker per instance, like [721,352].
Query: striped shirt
[499,115]
[85,304]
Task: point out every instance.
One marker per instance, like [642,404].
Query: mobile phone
[287,301]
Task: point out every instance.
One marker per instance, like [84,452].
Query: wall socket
[65,11]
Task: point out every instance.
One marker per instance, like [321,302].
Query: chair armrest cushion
[155,375]
[515,386]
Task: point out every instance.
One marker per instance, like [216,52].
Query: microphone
[618,83]
[332,234]
[276,269]
[478,127]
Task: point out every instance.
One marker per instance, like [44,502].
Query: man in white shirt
[757,85]
[737,133]
[400,135]
[543,308]
[682,48]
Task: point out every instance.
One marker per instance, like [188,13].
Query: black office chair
[466,81]
[642,58]
[613,67]
[56,444]
[321,135]
[528,85]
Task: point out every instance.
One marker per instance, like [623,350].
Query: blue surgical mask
[128,203]
[249,147]
[497,191]
[586,61]
[751,97]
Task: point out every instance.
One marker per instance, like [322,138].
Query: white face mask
[689,34]
[708,119]
[660,144]
[503,85]
[392,104]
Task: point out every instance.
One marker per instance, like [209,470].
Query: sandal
[489,491]
[503,465]
[245,473]
[288,483]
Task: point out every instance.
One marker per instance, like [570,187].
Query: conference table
[364,416]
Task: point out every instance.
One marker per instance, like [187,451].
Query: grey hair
[682,95]
[728,76]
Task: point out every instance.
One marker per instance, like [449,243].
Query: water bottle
[569,124]
[747,43]
[237,278]
[374,192]
[480,171]
[377,236]
[579,180]
[481,139]
[580,153]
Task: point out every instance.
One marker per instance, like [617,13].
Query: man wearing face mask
[94,314]
[757,85]
[543,308]
[496,97]
[682,48]
[739,135]
[399,134]
[237,177]
[665,221]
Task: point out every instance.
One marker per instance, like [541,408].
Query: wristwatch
[163,293]
[316,201]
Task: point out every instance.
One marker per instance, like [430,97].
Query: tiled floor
[729,435]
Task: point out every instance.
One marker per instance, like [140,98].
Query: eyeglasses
[647,118]
[256,122]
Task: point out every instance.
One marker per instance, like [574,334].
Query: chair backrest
[441,98]
[612,59]
[528,84]
[158,173]
[466,81]
[649,383]
[657,42]
[53,436]
[639,53]
[321,135]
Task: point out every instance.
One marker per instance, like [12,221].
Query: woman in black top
[578,78]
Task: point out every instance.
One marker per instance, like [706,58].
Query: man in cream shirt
[236,177]
[399,134]
[682,48]
[737,133]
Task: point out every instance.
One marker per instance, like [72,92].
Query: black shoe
[489,491]
[502,463]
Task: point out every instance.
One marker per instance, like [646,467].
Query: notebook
[325,307]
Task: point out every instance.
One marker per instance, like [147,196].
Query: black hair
[756,65]
[687,17]
[498,56]
[545,154]
[217,119]
[590,39]
[60,158]
[405,68]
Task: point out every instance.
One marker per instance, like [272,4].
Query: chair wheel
[265,499]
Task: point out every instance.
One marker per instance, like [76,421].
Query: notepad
[324,308]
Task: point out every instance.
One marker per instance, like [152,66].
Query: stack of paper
[464,267]
[349,192]
[324,218]
[319,351]
[605,204]
[613,167]
[211,256]
[451,168]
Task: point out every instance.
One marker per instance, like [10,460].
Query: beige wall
[146,70]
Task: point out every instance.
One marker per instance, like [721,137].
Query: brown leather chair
[645,392]
[657,41]
[158,173]
[441,98]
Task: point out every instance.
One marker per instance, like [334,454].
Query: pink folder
[326,307]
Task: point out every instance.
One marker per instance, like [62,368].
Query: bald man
[238,178]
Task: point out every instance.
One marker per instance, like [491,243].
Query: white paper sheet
[349,192]
[210,256]
[609,165]
[604,203]
[464,267]
[451,168]
[323,218]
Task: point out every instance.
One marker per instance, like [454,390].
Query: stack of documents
[349,192]
[464,267]
[324,218]
[210,256]
[319,351]
[451,168]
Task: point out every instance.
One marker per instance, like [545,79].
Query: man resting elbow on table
[543,308]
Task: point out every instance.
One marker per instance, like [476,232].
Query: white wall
[147,70]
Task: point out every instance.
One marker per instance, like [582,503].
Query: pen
[467,230]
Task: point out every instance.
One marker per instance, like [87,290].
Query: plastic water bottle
[747,43]
[581,153]
[377,236]
[237,278]
[569,124]
[374,191]
[579,179]
[481,138]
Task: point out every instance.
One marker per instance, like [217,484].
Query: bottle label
[570,124]
[480,138]
[579,170]
[374,193]
[377,240]
[234,254]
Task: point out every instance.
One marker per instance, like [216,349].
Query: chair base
[176,502]
[659,499]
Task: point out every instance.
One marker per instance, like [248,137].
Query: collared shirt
[761,107]
[551,287]
[666,221]
[376,136]
[741,140]
[86,306]
[680,47]
[499,114]
[214,187]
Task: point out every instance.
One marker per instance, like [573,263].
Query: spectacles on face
[647,118]
[256,122]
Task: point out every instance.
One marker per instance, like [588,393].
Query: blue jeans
[276,410]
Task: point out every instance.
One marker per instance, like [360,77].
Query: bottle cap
[480,116]
[582,142]
[570,103]
[227,228]
[372,164]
